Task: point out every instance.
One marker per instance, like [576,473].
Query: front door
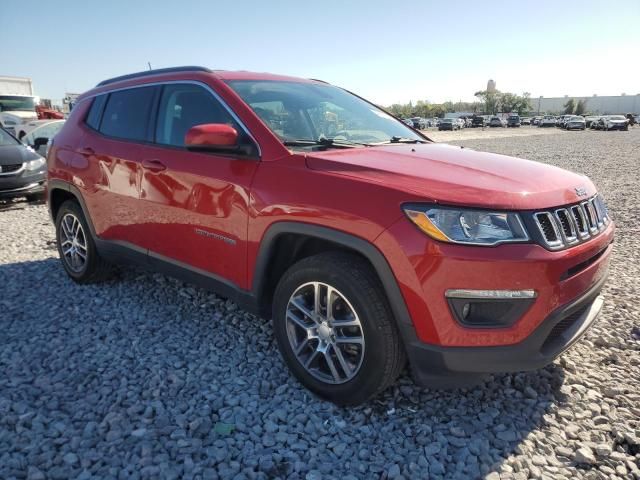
[195,204]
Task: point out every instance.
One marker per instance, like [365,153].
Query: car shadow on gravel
[139,372]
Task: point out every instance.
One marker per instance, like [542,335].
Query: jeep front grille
[564,227]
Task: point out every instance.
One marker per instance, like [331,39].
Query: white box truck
[17,102]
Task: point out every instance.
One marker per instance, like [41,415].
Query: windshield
[297,111]
[6,139]
[15,102]
[617,117]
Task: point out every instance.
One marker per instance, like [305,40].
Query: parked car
[24,128]
[39,137]
[418,123]
[365,243]
[449,124]
[22,171]
[513,121]
[477,121]
[536,121]
[575,123]
[547,121]
[589,119]
[496,122]
[525,120]
[614,122]
[407,121]
[461,122]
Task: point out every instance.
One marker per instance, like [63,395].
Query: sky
[389,51]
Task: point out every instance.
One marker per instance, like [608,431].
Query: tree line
[489,103]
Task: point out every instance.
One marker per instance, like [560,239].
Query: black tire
[94,268]
[383,358]
[35,197]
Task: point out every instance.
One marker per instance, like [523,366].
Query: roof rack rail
[153,72]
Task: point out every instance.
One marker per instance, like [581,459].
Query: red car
[364,241]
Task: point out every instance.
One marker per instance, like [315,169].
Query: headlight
[35,164]
[472,227]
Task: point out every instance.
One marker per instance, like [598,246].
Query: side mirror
[212,137]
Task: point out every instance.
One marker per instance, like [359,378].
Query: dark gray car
[22,170]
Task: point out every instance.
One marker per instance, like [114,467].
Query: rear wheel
[335,330]
[76,247]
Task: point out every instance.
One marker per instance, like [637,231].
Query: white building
[620,104]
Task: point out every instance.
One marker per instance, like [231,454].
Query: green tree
[491,100]
[570,106]
[581,107]
[524,105]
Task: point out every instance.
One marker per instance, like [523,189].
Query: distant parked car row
[568,122]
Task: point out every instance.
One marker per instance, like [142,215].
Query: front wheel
[335,329]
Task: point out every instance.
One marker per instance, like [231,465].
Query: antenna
[149,63]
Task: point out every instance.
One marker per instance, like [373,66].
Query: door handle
[87,151]
[153,165]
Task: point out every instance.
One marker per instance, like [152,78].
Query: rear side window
[127,112]
[184,105]
[95,112]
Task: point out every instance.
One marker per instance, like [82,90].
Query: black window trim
[153,120]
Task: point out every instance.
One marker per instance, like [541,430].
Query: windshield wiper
[322,141]
[396,139]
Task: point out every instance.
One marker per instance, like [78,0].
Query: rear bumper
[457,366]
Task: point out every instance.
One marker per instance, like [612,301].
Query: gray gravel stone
[584,455]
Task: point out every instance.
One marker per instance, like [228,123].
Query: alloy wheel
[73,242]
[325,333]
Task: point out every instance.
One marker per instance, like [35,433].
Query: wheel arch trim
[56,184]
[352,242]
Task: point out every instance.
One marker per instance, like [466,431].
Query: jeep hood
[457,176]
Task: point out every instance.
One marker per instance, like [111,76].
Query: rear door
[114,152]
[195,204]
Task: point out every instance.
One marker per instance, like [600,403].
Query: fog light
[489,308]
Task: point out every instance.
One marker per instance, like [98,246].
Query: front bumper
[24,183]
[458,366]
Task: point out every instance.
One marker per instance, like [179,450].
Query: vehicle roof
[165,74]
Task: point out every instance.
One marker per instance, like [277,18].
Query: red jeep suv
[364,241]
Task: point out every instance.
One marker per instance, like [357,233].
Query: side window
[184,105]
[126,114]
[95,112]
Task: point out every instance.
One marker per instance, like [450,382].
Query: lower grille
[561,327]
[8,169]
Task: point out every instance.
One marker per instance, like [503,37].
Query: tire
[70,222]
[372,365]
[35,197]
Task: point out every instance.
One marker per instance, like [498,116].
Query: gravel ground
[145,377]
